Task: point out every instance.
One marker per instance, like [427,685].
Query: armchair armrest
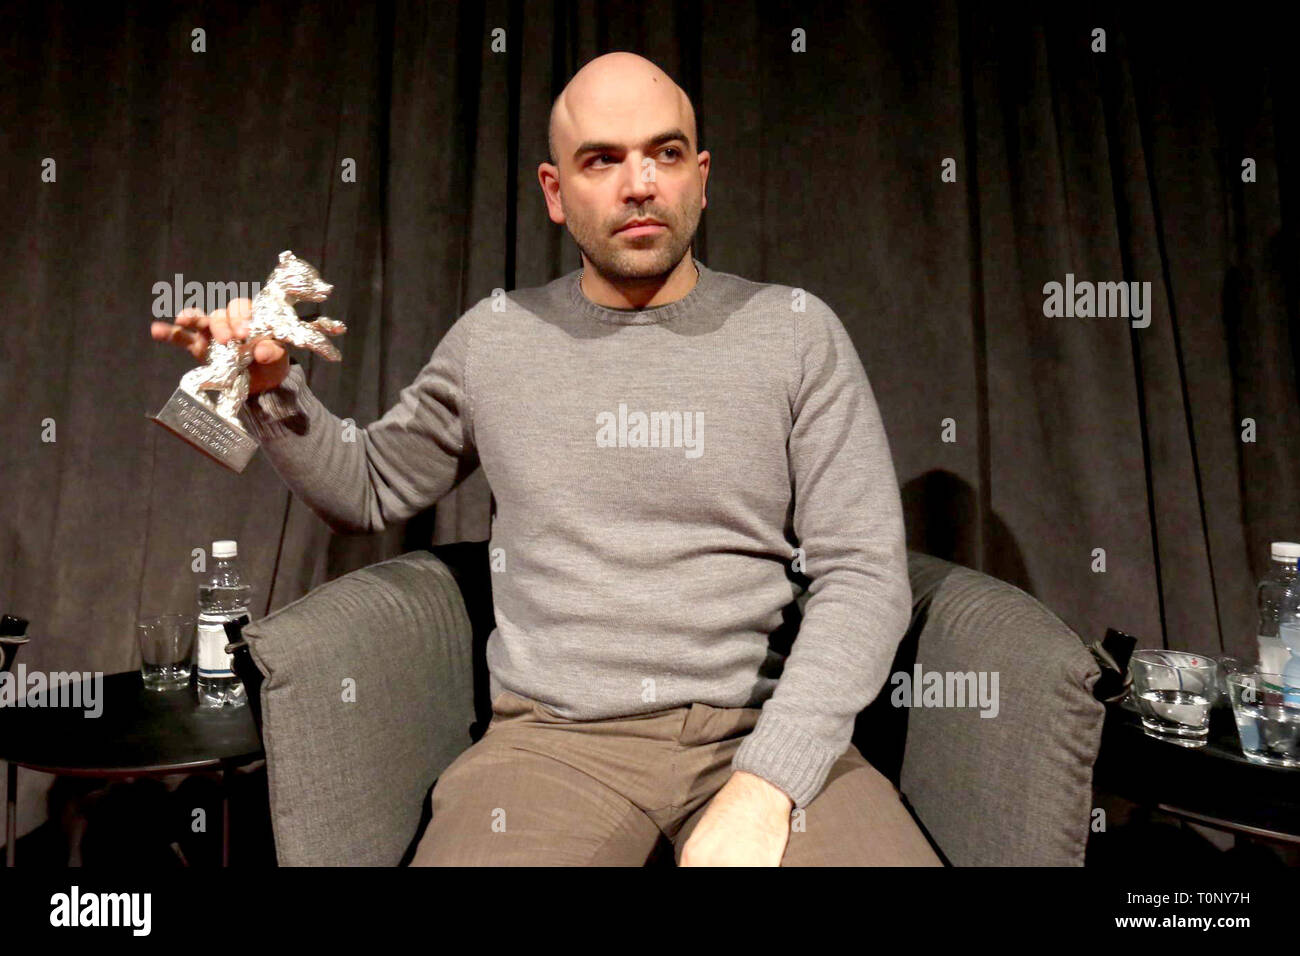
[1015,788]
[367,697]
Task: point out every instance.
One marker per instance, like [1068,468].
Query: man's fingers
[268,352]
[193,330]
[192,318]
[239,312]
[166,332]
[190,331]
[193,342]
[219,326]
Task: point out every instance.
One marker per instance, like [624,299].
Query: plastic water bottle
[1278,591]
[223,596]
[1288,628]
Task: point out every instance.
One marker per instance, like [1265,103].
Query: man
[660,439]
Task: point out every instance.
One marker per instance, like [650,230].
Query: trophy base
[197,425]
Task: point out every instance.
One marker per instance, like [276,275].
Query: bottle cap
[229,549]
[1287,551]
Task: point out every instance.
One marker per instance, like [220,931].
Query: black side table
[138,733]
[1214,785]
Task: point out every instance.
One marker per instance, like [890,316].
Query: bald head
[604,92]
[626,178]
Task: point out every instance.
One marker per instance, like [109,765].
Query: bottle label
[214,662]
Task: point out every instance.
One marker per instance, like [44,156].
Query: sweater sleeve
[360,480]
[848,519]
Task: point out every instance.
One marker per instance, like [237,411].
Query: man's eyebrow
[592,146]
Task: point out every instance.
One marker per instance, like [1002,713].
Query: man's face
[625,165]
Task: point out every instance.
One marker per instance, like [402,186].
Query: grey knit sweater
[667,481]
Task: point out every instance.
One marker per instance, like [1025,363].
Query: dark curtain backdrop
[1072,434]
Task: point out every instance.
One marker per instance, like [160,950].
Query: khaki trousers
[542,790]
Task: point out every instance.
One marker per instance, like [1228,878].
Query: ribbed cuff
[786,756]
[266,414]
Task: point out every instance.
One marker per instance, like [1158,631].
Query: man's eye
[673,149]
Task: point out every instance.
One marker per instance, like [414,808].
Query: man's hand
[194,332]
[747,823]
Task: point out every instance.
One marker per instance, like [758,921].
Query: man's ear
[705,160]
[548,176]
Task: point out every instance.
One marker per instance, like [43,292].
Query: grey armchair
[374,682]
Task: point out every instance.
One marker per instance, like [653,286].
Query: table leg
[11,813]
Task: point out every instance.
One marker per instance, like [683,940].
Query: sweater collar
[688,303]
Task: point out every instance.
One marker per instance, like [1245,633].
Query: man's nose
[640,182]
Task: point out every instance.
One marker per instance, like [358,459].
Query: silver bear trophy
[214,427]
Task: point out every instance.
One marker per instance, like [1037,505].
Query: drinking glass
[1267,723]
[1227,667]
[1174,691]
[166,650]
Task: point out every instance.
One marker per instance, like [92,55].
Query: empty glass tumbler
[166,650]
